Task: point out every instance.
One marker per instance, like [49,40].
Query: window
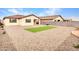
[28,20]
[13,20]
[58,20]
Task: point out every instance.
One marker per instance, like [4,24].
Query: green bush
[1,25]
[76,45]
[77,28]
[4,32]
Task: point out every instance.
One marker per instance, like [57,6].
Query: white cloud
[50,11]
[53,11]
[13,11]
[18,11]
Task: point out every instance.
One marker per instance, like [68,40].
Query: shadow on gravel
[67,45]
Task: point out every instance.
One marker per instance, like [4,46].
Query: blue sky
[65,12]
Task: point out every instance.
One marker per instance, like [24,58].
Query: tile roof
[15,17]
[19,16]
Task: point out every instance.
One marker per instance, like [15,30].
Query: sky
[67,13]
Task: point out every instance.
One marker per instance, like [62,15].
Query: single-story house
[21,20]
[54,18]
[29,19]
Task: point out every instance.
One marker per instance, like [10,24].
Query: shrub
[4,32]
[76,45]
[1,25]
[47,24]
[77,28]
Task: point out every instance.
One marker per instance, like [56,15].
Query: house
[30,19]
[54,18]
[21,20]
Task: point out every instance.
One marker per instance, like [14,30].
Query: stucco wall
[7,22]
[23,23]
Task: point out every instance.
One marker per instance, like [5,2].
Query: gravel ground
[47,40]
[67,45]
[6,43]
[58,39]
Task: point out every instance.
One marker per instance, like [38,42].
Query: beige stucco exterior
[58,18]
[7,22]
[54,20]
[22,21]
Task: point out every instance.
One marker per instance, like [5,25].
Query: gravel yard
[6,43]
[67,45]
[48,40]
[57,39]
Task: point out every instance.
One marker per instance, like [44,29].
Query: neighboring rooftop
[50,17]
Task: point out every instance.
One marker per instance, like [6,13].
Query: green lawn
[41,28]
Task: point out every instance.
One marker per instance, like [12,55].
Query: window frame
[12,21]
[58,20]
[28,21]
